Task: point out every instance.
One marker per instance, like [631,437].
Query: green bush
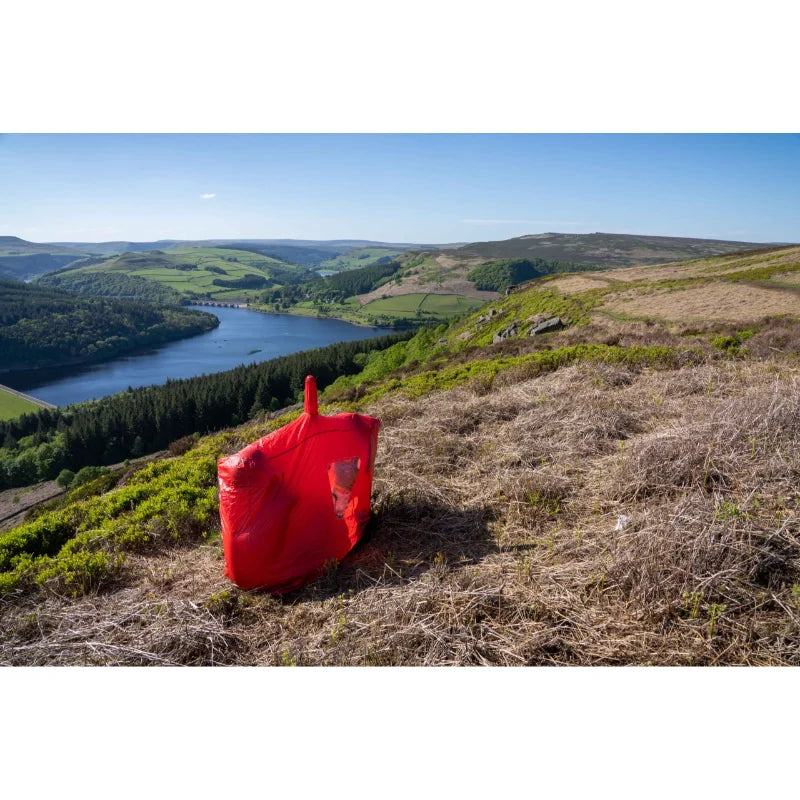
[65,478]
[499,275]
[86,474]
[73,548]
[78,573]
[731,344]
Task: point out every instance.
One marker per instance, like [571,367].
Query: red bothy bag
[296,498]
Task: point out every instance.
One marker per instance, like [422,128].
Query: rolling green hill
[14,246]
[115,248]
[361,257]
[21,260]
[305,252]
[602,249]
[41,326]
[310,257]
[207,273]
[338,295]
[425,308]
[111,284]
[479,270]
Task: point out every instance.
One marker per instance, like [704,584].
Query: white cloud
[207,196]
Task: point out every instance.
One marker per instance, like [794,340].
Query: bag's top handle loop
[310,405]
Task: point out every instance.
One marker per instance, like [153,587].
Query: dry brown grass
[788,255]
[155,616]
[453,260]
[710,266]
[723,302]
[495,540]
[777,337]
[578,283]
[414,284]
[660,273]
[450,279]
[787,277]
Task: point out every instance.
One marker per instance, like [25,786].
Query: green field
[363,257]
[405,309]
[13,406]
[221,256]
[433,305]
[193,270]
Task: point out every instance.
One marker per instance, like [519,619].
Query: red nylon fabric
[296,498]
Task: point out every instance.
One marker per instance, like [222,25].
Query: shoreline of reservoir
[239,338]
[87,361]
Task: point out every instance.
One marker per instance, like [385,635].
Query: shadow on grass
[405,539]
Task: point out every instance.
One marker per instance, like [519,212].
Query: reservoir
[243,337]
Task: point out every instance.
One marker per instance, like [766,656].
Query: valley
[240,337]
[621,490]
[42,326]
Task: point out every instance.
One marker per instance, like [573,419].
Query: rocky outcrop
[506,333]
[536,324]
[490,315]
[547,325]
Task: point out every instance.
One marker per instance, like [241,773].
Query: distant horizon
[401,188]
[341,240]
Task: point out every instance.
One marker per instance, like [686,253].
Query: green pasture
[419,308]
[363,257]
[439,305]
[220,257]
[13,406]
[206,264]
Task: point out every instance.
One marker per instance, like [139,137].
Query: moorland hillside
[599,468]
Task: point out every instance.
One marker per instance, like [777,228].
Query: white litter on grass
[622,522]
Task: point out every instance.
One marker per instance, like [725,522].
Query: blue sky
[409,188]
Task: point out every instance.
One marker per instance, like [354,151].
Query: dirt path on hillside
[14,503]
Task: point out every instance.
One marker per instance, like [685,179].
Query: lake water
[240,332]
